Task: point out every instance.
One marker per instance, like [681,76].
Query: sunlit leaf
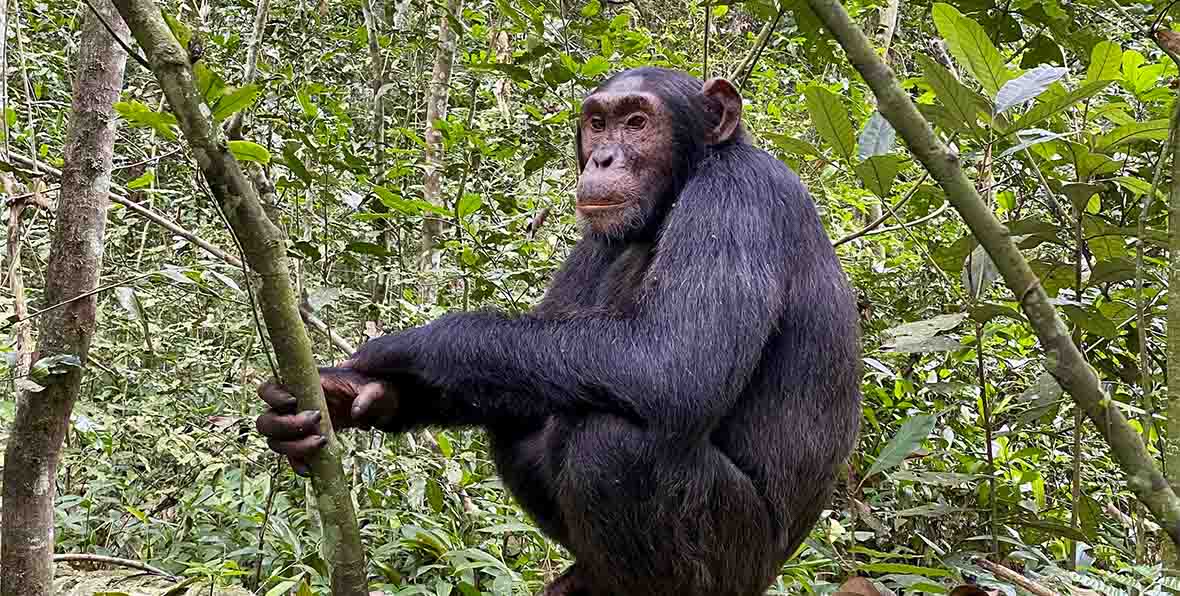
[1105,62]
[235,101]
[249,151]
[1152,130]
[144,180]
[963,104]
[1047,108]
[1027,86]
[877,138]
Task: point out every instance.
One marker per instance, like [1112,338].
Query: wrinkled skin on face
[628,158]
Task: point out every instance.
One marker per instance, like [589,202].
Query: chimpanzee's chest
[619,290]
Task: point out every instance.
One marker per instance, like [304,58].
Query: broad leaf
[908,438]
[979,272]
[877,138]
[793,145]
[1152,130]
[831,121]
[1047,108]
[1106,61]
[139,115]
[248,151]
[1027,86]
[922,336]
[878,172]
[235,101]
[469,204]
[143,181]
[971,47]
[962,104]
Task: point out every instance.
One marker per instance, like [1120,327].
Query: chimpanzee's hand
[354,400]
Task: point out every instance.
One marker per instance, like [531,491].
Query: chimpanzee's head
[640,136]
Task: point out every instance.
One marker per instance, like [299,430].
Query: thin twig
[10,322]
[88,558]
[880,220]
[751,60]
[126,48]
[1008,575]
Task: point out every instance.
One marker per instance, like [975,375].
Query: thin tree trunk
[1172,446]
[436,109]
[42,418]
[264,246]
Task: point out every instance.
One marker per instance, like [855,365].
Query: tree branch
[265,250]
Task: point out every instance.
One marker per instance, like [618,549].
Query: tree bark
[1063,360]
[1172,445]
[42,418]
[265,251]
[436,109]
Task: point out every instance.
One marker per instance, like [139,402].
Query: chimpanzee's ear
[722,98]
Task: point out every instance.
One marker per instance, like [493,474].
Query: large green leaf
[1152,130]
[831,121]
[878,173]
[971,47]
[248,151]
[1051,106]
[906,441]
[1106,60]
[139,115]
[961,103]
[235,101]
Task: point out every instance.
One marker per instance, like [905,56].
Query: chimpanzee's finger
[300,466]
[300,448]
[287,427]
[276,397]
[362,406]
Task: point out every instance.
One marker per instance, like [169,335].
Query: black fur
[675,409]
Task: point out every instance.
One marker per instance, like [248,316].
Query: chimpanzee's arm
[737,246]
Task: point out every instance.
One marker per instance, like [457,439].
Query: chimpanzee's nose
[603,157]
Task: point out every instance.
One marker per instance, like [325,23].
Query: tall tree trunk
[42,418]
[436,109]
[264,247]
[1172,446]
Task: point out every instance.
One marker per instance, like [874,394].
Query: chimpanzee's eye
[598,123]
[637,121]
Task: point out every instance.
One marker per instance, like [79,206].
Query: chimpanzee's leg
[647,515]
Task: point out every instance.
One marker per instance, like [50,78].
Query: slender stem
[993,498]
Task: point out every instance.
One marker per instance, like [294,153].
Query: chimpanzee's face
[626,155]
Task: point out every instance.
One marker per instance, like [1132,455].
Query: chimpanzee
[674,410]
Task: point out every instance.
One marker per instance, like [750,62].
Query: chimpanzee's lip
[598,206]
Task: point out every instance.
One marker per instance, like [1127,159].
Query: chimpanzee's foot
[567,584]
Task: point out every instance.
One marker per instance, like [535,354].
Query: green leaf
[139,115]
[877,138]
[878,173]
[248,151]
[592,8]
[831,121]
[922,336]
[1152,130]
[368,248]
[1047,108]
[143,181]
[53,365]
[1027,86]
[182,32]
[293,163]
[470,203]
[971,47]
[1106,61]
[792,145]
[904,568]
[1091,320]
[235,101]
[963,104]
[595,66]
[908,439]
